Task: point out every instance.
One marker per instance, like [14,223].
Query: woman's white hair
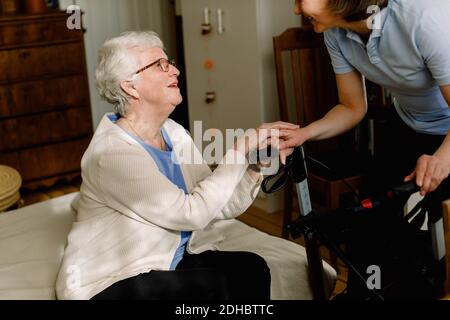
[117,62]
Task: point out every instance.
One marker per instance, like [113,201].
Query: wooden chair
[446,216]
[306,92]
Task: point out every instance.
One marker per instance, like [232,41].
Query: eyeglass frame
[170,62]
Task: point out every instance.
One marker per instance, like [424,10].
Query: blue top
[408,54]
[172,171]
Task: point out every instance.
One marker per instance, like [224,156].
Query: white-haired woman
[141,201]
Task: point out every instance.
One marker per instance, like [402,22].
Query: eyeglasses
[162,63]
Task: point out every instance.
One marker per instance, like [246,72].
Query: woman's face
[154,85]
[318,13]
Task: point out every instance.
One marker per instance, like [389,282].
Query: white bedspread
[32,241]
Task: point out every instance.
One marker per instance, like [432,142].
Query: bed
[33,238]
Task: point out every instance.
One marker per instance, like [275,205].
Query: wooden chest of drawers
[45,115]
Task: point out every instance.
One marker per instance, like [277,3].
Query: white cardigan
[130,215]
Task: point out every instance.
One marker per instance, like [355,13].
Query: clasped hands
[271,135]
[429,173]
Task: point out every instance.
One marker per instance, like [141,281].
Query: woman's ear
[129,88]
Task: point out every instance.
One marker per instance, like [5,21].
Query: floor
[58,189]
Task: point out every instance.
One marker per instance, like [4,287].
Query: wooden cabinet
[45,114]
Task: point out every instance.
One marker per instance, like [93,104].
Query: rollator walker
[389,254]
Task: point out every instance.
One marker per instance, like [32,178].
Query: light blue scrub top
[172,171]
[409,54]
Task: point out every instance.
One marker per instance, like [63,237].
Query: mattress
[32,242]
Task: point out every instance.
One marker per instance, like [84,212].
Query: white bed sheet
[32,242]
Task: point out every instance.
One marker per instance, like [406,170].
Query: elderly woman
[142,199]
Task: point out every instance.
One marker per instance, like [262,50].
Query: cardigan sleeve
[243,196]
[244,193]
[132,184]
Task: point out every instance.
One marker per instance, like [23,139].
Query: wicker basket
[10,183]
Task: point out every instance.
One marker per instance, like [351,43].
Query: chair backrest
[305,80]
[446,216]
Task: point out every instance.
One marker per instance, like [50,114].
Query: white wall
[244,73]
[104,19]
[274,18]
[235,76]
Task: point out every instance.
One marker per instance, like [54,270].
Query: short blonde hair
[353,10]
[117,62]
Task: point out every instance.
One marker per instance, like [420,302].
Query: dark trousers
[209,275]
